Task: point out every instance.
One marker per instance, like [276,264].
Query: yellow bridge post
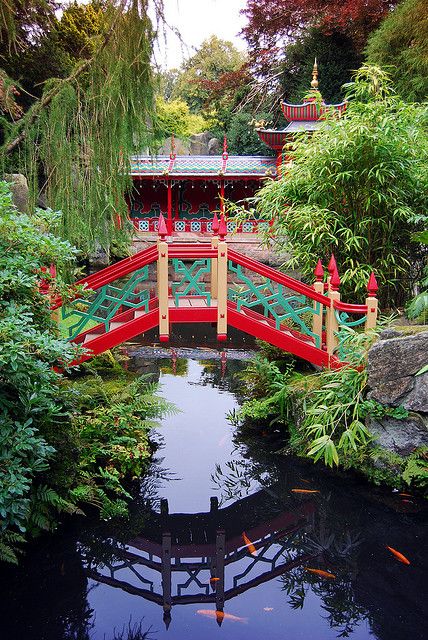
[163,281]
[372,303]
[222,282]
[319,288]
[214,263]
[332,326]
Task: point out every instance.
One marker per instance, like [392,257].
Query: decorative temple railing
[176,282]
[203,225]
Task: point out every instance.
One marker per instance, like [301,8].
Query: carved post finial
[335,280]
[319,272]
[332,265]
[222,229]
[162,229]
[172,152]
[372,285]
[314,82]
[215,225]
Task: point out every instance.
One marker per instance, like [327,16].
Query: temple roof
[276,138]
[309,111]
[224,166]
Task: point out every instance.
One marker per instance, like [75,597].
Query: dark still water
[180,567]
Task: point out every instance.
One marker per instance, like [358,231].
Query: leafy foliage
[242,138]
[57,446]
[29,349]
[214,62]
[273,21]
[400,44]
[358,188]
[418,306]
[174,117]
[81,132]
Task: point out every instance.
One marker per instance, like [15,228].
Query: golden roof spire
[314,82]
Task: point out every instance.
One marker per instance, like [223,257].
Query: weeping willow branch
[45,100]
[76,140]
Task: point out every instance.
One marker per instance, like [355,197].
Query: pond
[219,543]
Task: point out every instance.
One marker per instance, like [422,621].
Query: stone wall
[393,366]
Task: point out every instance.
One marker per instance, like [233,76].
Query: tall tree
[82,130]
[273,22]
[214,61]
[401,43]
[24,21]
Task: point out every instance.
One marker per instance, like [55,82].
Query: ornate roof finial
[314,82]
[172,152]
[225,146]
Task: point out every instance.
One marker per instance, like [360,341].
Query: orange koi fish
[221,615]
[320,572]
[305,490]
[214,579]
[251,548]
[406,495]
[398,555]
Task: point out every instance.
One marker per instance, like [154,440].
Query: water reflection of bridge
[174,558]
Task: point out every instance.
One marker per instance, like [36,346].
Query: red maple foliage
[273,21]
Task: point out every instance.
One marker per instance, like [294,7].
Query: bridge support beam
[163,291]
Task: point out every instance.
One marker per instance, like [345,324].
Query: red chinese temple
[187,190]
[301,117]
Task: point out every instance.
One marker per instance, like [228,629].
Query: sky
[197,20]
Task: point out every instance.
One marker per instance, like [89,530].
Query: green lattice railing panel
[281,304]
[190,279]
[343,321]
[104,304]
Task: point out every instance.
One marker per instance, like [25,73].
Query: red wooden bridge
[176,282]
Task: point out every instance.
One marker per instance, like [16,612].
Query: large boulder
[19,188]
[214,147]
[181,147]
[199,143]
[393,363]
[400,436]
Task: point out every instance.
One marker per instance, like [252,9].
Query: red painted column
[221,196]
[169,207]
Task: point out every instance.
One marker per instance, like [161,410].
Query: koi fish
[320,572]
[398,555]
[406,495]
[305,490]
[221,615]
[251,548]
[214,579]
[267,608]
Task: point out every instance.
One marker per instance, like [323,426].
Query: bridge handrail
[114,272]
[350,308]
[276,276]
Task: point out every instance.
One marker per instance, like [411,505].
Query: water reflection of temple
[202,558]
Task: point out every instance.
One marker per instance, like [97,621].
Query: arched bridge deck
[193,283]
